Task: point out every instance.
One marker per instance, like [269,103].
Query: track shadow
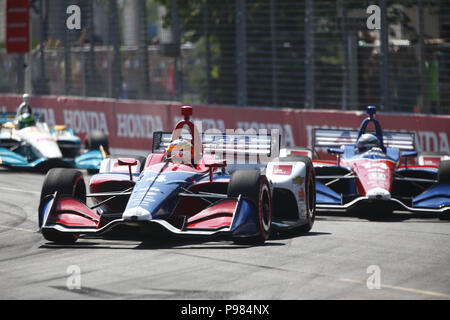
[148,242]
[396,216]
[11,170]
[198,244]
[289,234]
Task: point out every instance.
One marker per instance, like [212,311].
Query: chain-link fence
[275,53]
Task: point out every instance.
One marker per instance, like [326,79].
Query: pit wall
[129,124]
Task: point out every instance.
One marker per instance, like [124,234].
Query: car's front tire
[444,172]
[253,186]
[66,182]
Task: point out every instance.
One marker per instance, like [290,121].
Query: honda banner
[130,124]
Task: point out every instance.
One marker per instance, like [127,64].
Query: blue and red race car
[373,172]
[193,184]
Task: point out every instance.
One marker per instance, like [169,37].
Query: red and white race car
[372,173]
[192,184]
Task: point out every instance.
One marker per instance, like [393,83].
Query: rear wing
[7,117]
[331,138]
[263,145]
[11,116]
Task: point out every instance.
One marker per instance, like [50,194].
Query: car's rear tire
[444,172]
[310,196]
[95,139]
[444,177]
[445,215]
[310,189]
[66,182]
[253,186]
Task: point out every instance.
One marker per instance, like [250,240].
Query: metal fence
[275,53]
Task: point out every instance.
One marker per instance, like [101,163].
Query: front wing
[90,160]
[436,200]
[235,217]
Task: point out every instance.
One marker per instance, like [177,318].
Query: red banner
[17,26]
[130,124]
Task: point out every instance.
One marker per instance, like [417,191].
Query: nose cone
[378,193]
[137,214]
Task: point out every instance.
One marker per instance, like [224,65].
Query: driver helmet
[367,141]
[26,120]
[180,151]
[26,98]
[25,106]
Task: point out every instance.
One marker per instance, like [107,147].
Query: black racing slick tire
[253,186]
[310,189]
[310,196]
[66,182]
[444,177]
[444,172]
[95,139]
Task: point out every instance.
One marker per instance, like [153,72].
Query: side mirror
[130,162]
[8,125]
[215,164]
[335,151]
[408,154]
[60,127]
[127,162]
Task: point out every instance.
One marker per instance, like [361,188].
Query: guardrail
[130,124]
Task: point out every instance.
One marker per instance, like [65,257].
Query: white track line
[17,229]
[23,191]
[19,190]
[339,279]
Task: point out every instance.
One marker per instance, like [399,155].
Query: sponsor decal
[301,193]
[298,180]
[85,121]
[282,170]
[138,125]
[42,139]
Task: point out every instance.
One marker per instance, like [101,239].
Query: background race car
[378,177]
[39,147]
[234,185]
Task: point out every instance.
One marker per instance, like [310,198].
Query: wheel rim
[79,189]
[265,208]
[311,199]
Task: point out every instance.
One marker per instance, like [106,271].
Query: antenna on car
[371,110]
[186,111]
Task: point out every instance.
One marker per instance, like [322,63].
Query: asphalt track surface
[411,253]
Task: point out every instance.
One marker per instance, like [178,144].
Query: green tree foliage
[275,53]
